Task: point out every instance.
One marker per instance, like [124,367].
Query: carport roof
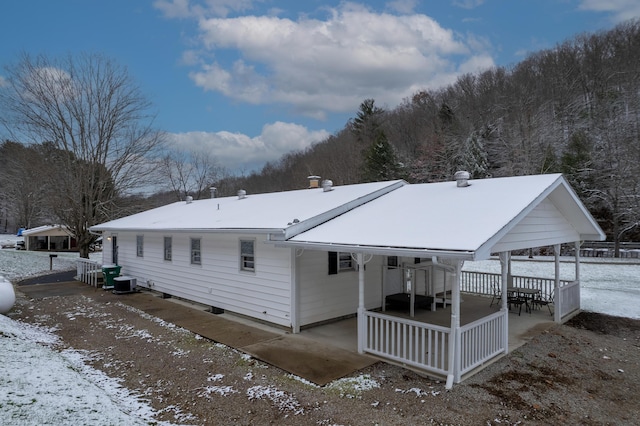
[424,220]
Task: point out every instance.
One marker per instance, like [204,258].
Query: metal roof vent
[462,179]
[313,181]
[242,194]
[189,199]
[213,191]
[327,185]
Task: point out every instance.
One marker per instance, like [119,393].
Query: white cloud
[317,66]
[403,6]
[621,10]
[3,81]
[238,151]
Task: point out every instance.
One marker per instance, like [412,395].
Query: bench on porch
[403,300]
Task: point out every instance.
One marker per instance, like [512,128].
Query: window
[195,251]
[339,262]
[167,248]
[139,245]
[247,255]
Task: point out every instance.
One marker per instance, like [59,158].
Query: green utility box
[109,272]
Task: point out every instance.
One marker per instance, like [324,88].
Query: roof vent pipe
[189,199]
[213,191]
[313,181]
[242,194]
[462,179]
[327,185]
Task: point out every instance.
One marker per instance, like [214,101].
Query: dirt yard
[584,373]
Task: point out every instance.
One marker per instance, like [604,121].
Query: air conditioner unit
[124,284]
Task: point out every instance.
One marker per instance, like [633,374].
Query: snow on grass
[39,385]
[353,387]
[45,387]
[281,399]
[607,285]
[16,265]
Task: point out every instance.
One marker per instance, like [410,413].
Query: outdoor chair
[518,302]
[497,293]
[540,301]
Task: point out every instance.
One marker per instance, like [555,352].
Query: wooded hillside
[573,109]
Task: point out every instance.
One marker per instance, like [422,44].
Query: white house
[299,258]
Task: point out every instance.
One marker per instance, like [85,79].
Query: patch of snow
[607,286]
[280,399]
[41,386]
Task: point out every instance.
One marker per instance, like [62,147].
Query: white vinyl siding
[323,296]
[543,226]
[218,282]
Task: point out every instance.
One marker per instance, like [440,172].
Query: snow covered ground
[39,385]
[609,286]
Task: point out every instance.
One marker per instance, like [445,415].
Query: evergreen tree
[381,162]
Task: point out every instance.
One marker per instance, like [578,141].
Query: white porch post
[556,285]
[454,337]
[362,329]
[505,263]
[577,260]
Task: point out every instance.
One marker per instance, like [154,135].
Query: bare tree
[97,125]
[190,173]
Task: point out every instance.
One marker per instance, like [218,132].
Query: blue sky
[250,80]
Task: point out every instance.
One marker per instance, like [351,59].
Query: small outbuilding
[50,238]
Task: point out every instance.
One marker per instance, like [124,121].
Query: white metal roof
[287,213]
[47,229]
[441,218]
[384,217]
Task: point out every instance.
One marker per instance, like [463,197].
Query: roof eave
[378,250]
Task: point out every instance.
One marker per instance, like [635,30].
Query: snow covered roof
[283,213]
[47,230]
[420,220]
[465,222]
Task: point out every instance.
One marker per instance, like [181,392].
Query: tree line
[573,109]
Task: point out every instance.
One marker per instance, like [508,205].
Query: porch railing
[569,298]
[409,342]
[483,282]
[89,271]
[482,340]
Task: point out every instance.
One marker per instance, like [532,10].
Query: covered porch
[521,328]
[448,225]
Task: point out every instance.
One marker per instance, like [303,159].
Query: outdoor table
[527,294]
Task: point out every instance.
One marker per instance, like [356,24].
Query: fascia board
[385,251]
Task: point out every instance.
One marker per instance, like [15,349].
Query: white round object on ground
[7,296]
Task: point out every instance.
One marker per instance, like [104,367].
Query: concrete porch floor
[522,327]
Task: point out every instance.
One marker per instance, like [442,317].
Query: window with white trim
[139,245]
[247,255]
[340,262]
[195,251]
[167,248]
